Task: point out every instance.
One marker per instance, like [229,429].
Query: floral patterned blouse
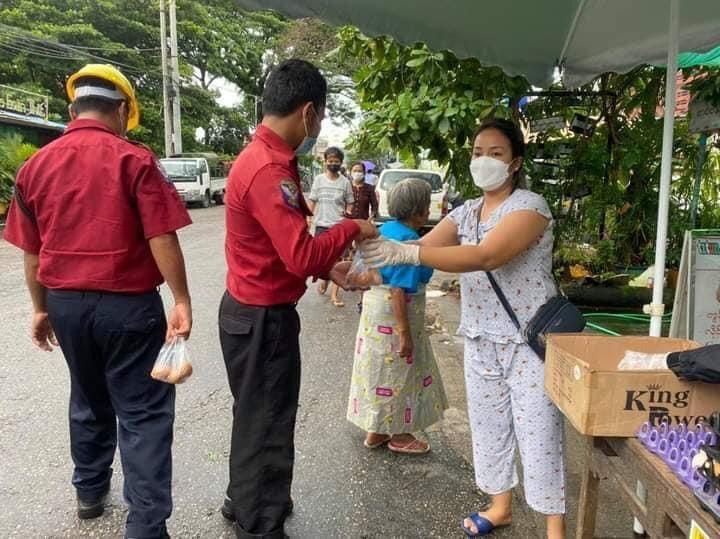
[526,280]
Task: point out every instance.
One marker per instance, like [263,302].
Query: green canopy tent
[583,38]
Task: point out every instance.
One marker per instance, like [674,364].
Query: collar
[275,141]
[87,123]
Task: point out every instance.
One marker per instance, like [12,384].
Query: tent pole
[656,308]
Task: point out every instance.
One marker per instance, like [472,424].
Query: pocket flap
[235,326]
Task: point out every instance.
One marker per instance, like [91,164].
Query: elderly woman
[396,387]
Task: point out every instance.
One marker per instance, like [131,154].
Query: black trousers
[261,349]
[110,342]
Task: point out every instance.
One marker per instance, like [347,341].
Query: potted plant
[14,151]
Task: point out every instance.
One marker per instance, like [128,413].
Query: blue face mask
[308,142]
[306,146]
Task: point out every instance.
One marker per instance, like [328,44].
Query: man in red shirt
[270,254]
[96,218]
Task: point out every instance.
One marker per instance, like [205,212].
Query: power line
[31,37]
[16,47]
[57,48]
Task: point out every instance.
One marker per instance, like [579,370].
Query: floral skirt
[390,394]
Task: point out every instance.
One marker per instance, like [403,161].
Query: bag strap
[503,299]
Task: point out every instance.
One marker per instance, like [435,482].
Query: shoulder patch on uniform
[290,193]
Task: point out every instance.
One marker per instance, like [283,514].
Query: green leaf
[444,125]
[415,62]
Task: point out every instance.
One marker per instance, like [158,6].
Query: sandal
[483,525]
[385,439]
[338,303]
[414,447]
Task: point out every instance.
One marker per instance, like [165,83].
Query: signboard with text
[23,102]
[696,313]
[704,117]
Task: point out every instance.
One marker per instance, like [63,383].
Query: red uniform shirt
[270,253]
[92,199]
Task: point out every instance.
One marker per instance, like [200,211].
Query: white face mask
[357,176]
[489,173]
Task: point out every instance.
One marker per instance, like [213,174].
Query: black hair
[356,163]
[334,151]
[103,105]
[292,84]
[512,132]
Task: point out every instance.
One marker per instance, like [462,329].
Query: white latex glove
[378,253]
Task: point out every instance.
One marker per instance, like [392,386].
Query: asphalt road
[341,489]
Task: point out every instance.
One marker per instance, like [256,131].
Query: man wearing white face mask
[508,232]
[270,254]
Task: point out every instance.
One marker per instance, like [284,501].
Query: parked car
[438,199]
[198,178]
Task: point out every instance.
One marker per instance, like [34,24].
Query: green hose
[626,317]
[603,330]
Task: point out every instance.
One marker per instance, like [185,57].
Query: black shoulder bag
[557,315]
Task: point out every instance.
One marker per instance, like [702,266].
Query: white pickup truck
[198,177]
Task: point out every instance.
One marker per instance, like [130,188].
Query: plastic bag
[360,276]
[638,361]
[172,364]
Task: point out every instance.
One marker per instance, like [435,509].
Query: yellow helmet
[112,75]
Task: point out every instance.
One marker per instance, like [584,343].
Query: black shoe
[227,512]
[93,509]
[242,534]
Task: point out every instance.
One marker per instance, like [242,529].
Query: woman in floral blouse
[508,231]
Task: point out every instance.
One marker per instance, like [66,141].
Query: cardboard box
[582,379]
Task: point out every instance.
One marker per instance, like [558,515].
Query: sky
[230,96]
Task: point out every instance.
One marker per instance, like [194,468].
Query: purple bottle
[691,437]
[694,479]
[683,467]
[673,459]
[709,438]
[673,437]
[653,440]
[662,448]
[644,431]
[682,447]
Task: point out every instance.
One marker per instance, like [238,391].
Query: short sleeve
[405,277]
[527,200]
[21,229]
[458,214]
[159,206]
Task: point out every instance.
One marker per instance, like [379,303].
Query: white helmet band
[97,91]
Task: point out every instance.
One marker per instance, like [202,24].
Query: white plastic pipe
[657,307]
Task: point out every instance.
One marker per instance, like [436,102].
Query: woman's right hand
[406,344]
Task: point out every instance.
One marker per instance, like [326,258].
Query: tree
[415,99]
[43,41]
[602,185]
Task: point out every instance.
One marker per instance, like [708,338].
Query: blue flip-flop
[483,525]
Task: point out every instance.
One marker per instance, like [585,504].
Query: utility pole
[171,78]
[177,131]
[167,106]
